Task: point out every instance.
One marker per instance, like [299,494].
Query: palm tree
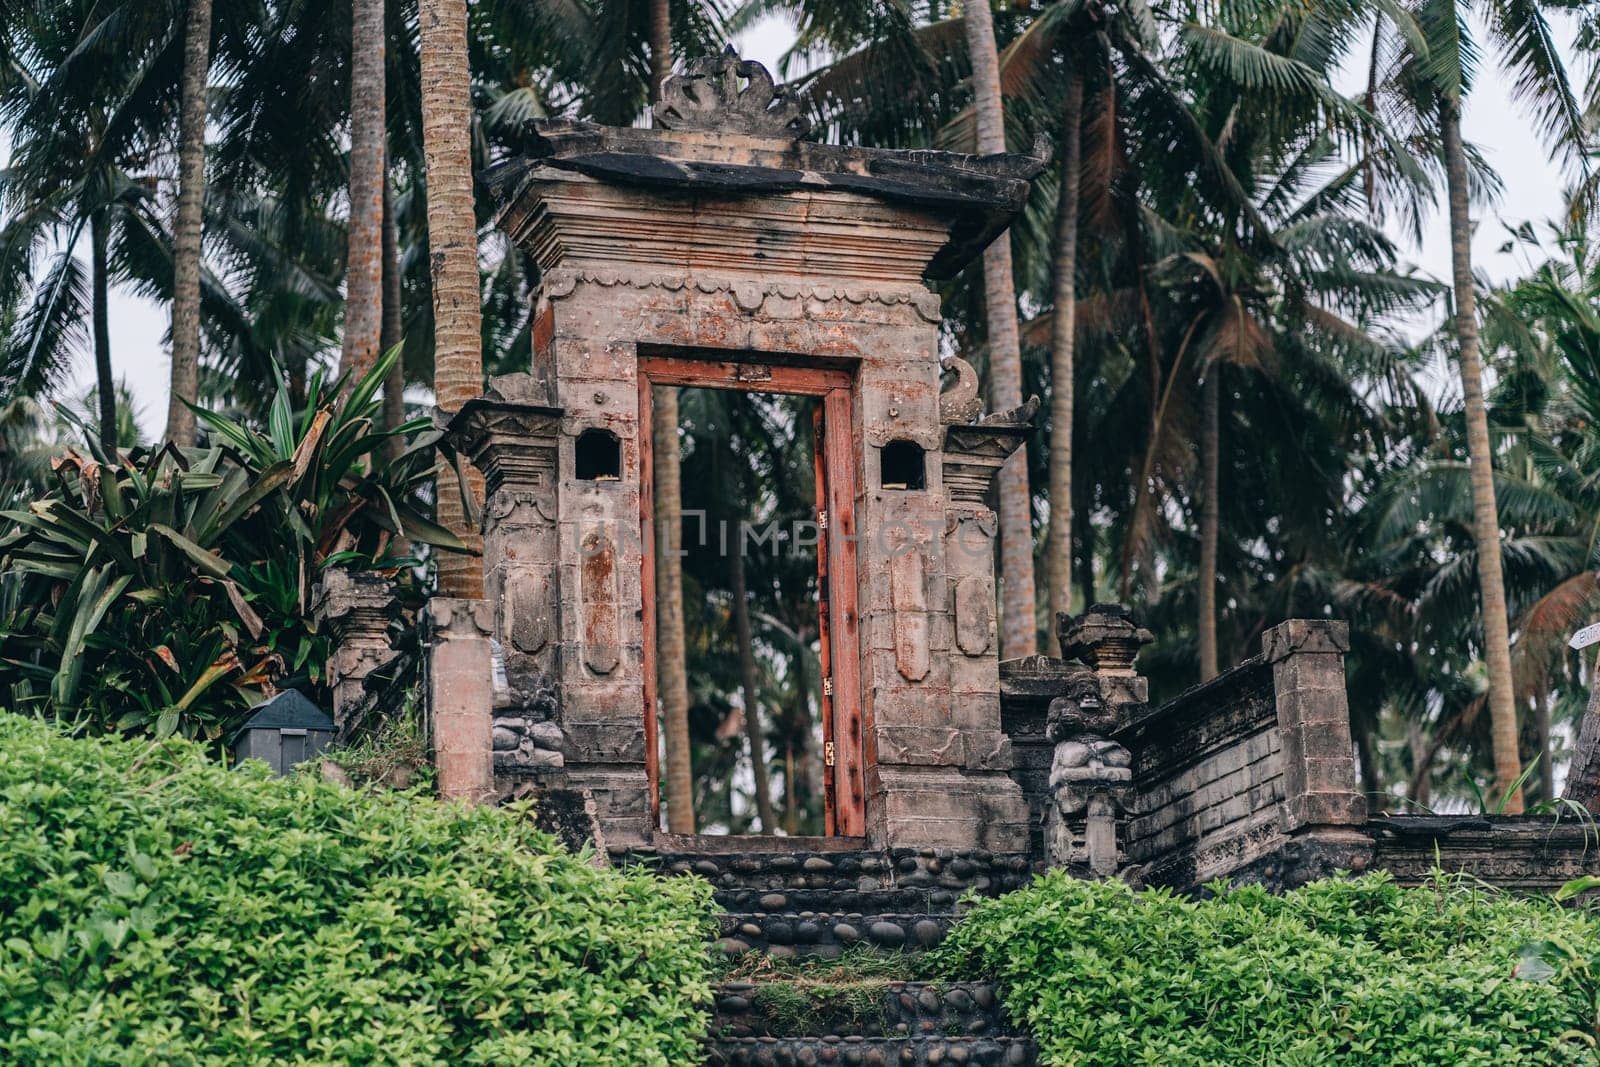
[187,227]
[1431,84]
[1063,369]
[453,254]
[85,92]
[1018,620]
[363,314]
[672,678]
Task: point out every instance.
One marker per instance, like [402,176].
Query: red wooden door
[843,740]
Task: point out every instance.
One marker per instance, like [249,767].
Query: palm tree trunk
[797,781]
[1485,517]
[105,387]
[1018,624]
[660,45]
[1210,505]
[394,387]
[747,678]
[672,669]
[186,230]
[1365,732]
[672,672]
[363,306]
[453,260]
[1058,554]
[1583,776]
[1547,772]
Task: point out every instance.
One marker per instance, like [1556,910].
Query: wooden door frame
[834,387]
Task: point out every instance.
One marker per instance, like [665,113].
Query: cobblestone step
[829,934]
[865,1008]
[872,899]
[739,867]
[871,1052]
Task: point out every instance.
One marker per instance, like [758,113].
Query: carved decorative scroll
[908,591]
[960,403]
[528,609]
[601,627]
[708,96]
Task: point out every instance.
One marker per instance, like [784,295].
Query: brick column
[461,696]
[354,609]
[1321,787]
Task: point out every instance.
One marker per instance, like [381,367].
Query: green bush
[168,591]
[156,908]
[1356,971]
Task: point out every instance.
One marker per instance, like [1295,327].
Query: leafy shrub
[167,592]
[156,908]
[1356,971]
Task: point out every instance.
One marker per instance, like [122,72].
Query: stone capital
[1326,636]
[342,595]
[1105,637]
[974,452]
[450,618]
[512,439]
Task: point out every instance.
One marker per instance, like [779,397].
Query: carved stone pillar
[513,436]
[974,449]
[1091,775]
[1319,765]
[460,696]
[354,609]
[1107,641]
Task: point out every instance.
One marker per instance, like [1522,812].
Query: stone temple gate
[721,250]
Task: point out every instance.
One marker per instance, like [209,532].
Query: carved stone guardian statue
[1089,777]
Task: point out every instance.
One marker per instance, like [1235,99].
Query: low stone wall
[1524,853]
[1251,776]
[1208,779]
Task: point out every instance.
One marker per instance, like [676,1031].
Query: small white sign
[1586,636]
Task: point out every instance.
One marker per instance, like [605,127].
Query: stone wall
[1208,779]
[1526,853]
[1251,776]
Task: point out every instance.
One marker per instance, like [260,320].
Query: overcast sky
[1503,132]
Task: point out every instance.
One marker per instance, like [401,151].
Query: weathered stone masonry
[724,238]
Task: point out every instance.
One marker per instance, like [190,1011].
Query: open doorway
[744,723]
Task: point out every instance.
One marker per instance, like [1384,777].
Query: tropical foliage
[1351,971]
[157,907]
[1262,417]
[153,592]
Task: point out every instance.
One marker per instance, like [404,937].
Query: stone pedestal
[1321,786]
[354,609]
[460,696]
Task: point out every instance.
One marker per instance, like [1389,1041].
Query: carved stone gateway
[722,242]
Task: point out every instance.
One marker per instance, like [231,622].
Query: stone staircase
[820,942]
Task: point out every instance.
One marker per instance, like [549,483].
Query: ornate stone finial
[707,96]
[960,403]
[1105,637]
[1021,415]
